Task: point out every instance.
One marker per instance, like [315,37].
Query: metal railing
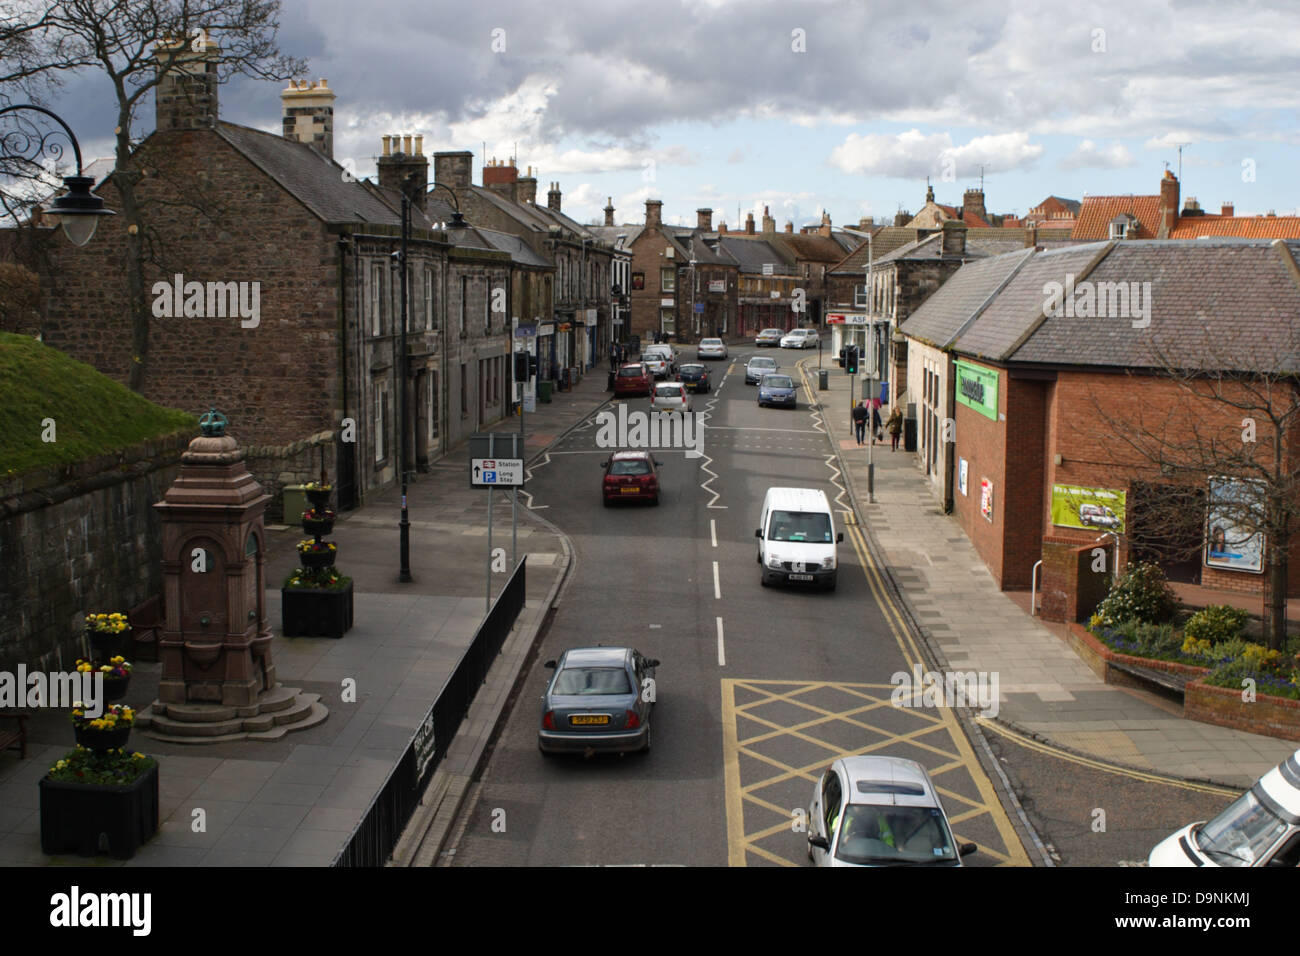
[373,840]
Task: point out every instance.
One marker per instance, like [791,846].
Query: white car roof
[797,499]
[1282,783]
[888,781]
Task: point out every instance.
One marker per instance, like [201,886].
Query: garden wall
[79,538]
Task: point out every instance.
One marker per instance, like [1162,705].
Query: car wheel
[545,753]
[831,585]
[605,500]
[646,748]
[655,501]
[762,578]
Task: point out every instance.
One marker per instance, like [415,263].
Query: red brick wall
[1026,404]
[648,257]
[982,442]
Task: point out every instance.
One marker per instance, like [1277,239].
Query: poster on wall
[1088,508]
[1235,513]
[986,498]
[961,475]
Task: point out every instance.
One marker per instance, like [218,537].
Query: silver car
[711,348]
[770,337]
[757,367]
[660,359]
[879,811]
[600,699]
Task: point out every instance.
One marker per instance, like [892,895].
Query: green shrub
[1230,649]
[1216,623]
[1141,594]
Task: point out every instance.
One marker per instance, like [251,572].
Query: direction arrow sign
[497,472]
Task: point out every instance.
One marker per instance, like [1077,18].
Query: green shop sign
[977,388]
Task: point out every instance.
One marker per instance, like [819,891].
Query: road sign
[497,472]
[699,306]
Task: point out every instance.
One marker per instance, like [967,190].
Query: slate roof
[885,241]
[690,245]
[944,313]
[520,252]
[1096,212]
[753,254]
[1215,303]
[315,181]
[812,248]
[610,234]
[525,214]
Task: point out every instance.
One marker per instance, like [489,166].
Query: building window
[860,296]
[668,279]
[487,304]
[433,405]
[464,388]
[428,298]
[667,320]
[1117,230]
[464,302]
[381,419]
[376,298]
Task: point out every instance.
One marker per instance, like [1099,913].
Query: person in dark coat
[876,433]
[860,415]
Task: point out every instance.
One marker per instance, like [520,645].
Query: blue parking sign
[489,477]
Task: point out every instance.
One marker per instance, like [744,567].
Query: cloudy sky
[804,106]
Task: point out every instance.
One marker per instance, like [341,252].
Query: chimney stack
[186,95]
[749,224]
[722,228]
[453,169]
[704,220]
[769,224]
[1226,209]
[953,242]
[825,228]
[400,160]
[609,211]
[502,178]
[526,188]
[553,197]
[309,115]
[902,217]
[973,202]
[654,213]
[1168,205]
[789,227]
[1031,236]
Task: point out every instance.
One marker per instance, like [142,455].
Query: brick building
[1050,431]
[274,292]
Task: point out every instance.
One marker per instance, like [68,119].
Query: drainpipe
[949,451]
[343,337]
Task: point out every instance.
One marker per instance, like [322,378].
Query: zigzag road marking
[528,473]
[704,465]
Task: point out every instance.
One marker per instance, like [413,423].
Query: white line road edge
[722,656]
[717,587]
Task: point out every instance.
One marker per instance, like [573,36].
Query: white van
[1259,828]
[797,538]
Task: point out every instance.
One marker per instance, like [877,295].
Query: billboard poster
[986,498]
[1088,508]
[961,475]
[1235,513]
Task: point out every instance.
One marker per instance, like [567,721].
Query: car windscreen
[1241,833]
[629,373]
[812,526]
[777,381]
[585,681]
[890,835]
[629,466]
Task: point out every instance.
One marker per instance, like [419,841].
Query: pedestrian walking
[895,427]
[877,434]
[613,355]
[860,415]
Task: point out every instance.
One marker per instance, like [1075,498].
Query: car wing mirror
[758,532]
[821,842]
[839,536]
[653,662]
[966,849]
[658,463]
[550,664]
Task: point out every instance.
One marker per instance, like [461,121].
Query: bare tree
[1220,443]
[135,43]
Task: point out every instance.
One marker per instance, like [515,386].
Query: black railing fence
[372,842]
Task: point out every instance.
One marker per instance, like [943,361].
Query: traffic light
[532,365]
[851,359]
[521,366]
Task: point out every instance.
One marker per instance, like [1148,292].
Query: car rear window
[710,341]
[691,369]
[669,391]
[629,466]
[629,373]
[583,681]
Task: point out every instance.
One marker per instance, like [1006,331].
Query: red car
[634,379]
[630,474]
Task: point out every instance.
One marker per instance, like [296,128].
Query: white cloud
[913,154]
[1088,155]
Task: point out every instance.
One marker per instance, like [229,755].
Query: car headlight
[828,563]
[774,562]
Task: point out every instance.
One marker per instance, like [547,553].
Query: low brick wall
[1223,706]
[275,466]
[79,538]
[1098,656]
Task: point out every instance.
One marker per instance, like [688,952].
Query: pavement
[1046,690]
[297,800]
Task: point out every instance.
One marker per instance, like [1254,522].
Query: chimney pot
[406,145]
[386,145]
[1227,209]
[419,145]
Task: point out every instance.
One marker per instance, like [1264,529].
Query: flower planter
[75,815]
[105,645]
[319,497]
[100,740]
[318,526]
[115,687]
[315,612]
[317,559]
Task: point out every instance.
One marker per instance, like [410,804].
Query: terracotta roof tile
[1096,212]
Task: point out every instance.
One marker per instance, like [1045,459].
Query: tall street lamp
[457,222]
[871,331]
[79,209]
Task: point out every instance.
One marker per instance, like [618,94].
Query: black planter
[104,646]
[312,612]
[101,740]
[319,498]
[74,815]
[317,559]
[115,687]
[318,527]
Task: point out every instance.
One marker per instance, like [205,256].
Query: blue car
[600,699]
[778,390]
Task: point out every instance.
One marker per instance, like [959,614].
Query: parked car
[1259,828]
[800,339]
[634,379]
[695,378]
[797,537]
[711,348]
[630,476]
[778,390]
[757,367]
[769,337]
[661,359]
[597,701]
[671,397]
[1098,516]
[880,811]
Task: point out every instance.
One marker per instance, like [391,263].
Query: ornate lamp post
[79,209]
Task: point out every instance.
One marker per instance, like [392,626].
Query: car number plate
[589,719]
[629,491]
[801,577]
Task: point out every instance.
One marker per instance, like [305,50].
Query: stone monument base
[274,714]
